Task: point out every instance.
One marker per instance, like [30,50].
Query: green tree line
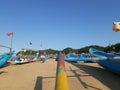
[109,48]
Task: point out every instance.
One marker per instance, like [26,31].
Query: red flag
[10,34]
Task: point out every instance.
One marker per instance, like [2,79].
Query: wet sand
[41,76]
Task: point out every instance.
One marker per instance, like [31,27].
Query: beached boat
[42,58]
[5,57]
[22,60]
[109,61]
[82,57]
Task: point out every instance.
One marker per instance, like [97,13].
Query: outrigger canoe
[22,60]
[5,57]
[110,61]
[83,57]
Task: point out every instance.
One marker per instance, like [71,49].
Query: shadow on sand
[38,85]
[108,78]
[6,64]
[1,72]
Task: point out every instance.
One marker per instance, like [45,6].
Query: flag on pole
[10,34]
[30,43]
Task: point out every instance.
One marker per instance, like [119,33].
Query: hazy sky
[58,24]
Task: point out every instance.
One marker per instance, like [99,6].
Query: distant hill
[109,48]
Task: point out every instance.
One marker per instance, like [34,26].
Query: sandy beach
[41,76]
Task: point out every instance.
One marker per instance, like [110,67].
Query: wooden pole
[61,78]
[11,42]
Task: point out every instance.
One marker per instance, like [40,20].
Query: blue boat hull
[5,58]
[111,65]
[100,53]
[79,59]
[109,61]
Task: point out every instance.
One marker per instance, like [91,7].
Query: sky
[58,24]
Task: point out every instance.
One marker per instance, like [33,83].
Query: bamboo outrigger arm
[5,46]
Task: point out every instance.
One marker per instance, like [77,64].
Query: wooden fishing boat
[82,57]
[109,61]
[5,57]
